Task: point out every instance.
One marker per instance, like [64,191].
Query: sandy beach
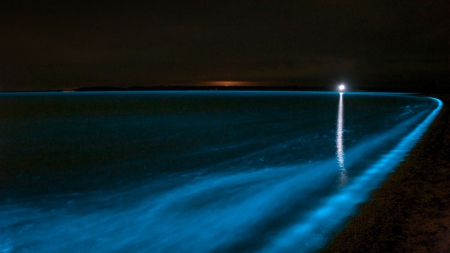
[410,212]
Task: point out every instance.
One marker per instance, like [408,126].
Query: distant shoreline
[410,211]
[279,87]
[244,88]
[175,88]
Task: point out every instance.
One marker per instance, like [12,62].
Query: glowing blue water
[194,171]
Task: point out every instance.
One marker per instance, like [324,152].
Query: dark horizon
[431,88]
[383,45]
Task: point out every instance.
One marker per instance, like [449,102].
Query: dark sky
[60,45]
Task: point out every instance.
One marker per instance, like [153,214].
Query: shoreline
[410,211]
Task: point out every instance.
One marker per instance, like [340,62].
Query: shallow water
[194,171]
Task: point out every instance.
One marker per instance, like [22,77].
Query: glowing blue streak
[181,220]
[344,202]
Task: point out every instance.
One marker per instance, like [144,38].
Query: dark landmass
[427,89]
[197,87]
[410,212]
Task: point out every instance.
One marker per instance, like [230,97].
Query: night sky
[64,45]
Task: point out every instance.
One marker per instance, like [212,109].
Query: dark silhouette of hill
[433,87]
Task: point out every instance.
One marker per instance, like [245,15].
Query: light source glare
[341,87]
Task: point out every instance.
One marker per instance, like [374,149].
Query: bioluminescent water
[195,171]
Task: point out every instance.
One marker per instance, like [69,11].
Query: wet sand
[410,212]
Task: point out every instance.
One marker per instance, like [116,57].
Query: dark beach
[410,211]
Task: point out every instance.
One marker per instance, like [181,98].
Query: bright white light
[341,87]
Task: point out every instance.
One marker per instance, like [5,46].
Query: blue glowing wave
[252,211]
[335,209]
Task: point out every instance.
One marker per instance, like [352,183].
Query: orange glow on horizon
[230,83]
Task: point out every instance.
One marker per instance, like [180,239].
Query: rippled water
[194,171]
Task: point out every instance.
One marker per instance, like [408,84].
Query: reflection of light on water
[340,141]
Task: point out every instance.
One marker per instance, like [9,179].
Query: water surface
[195,171]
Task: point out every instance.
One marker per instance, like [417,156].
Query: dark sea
[195,171]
